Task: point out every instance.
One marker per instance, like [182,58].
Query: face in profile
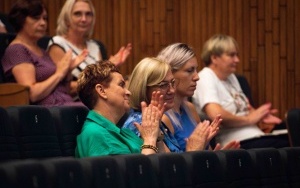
[117,93]
[187,76]
[167,89]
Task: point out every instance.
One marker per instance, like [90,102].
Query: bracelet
[150,147]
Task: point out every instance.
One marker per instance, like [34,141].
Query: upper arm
[193,111]
[56,53]
[24,73]
[168,123]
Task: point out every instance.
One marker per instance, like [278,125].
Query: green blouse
[99,136]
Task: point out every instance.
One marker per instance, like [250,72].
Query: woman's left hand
[120,57]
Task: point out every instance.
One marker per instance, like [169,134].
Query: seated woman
[75,26]
[151,75]
[102,89]
[219,92]
[183,118]
[26,63]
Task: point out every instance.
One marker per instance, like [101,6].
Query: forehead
[81,5]
[190,63]
[116,77]
[169,76]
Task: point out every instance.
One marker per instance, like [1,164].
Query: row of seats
[32,131]
[37,150]
[267,167]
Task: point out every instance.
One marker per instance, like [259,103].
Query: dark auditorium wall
[268,33]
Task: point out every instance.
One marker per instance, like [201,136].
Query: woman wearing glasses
[183,117]
[152,78]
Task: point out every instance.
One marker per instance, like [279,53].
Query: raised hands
[78,59]
[203,134]
[62,68]
[120,57]
[158,101]
[149,129]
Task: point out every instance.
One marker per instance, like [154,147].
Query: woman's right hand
[62,68]
[198,138]
[149,129]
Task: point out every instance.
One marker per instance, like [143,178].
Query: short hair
[176,55]
[217,45]
[23,8]
[98,73]
[148,72]
[65,14]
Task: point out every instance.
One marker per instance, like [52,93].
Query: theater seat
[293,126]
[105,172]
[137,170]
[291,159]
[172,170]
[66,172]
[238,168]
[35,131]
[270,167]
[8,144]
[68,121]
[23,173]
[205,169]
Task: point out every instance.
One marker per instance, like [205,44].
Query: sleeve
[129,123]
[14,55]
[102,49]
[58,41]
[206,90]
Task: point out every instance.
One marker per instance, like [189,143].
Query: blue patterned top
[169,139]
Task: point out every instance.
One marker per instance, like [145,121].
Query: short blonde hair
[64,17]
[217,45]
[176,55]
[148,72]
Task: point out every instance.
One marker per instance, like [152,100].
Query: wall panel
[268,33]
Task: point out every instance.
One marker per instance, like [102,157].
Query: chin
[169,106]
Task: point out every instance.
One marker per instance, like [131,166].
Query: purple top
[44,68]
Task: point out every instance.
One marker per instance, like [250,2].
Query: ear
[213,58]
[101,91]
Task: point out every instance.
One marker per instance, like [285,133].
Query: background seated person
[26,63]
[102,89]
[75,26]
[218,92]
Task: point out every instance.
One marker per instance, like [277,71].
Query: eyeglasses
[167,85]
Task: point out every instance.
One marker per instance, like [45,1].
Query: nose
[196,76]
[236,59]
[127,92]
[83,17]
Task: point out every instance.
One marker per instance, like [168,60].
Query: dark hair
[23,8]
[99,73]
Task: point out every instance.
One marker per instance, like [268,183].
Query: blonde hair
[64,17]
[176,55]
[217,45]
[148,72]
